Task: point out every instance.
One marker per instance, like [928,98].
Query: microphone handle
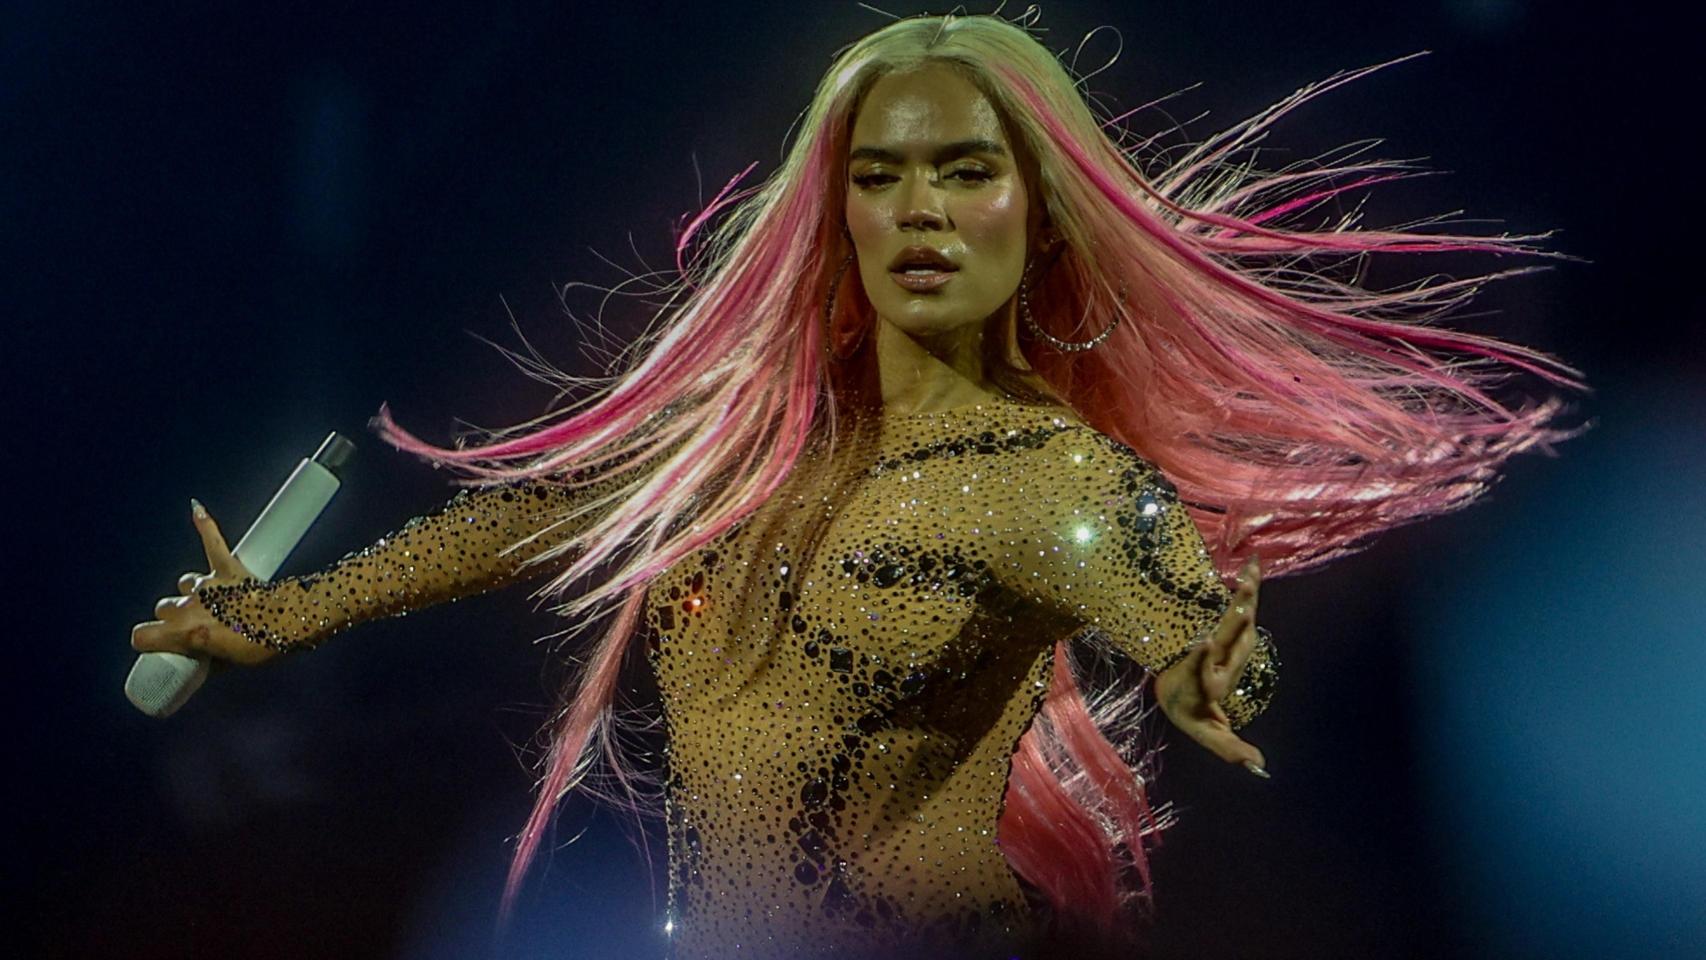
[160,683]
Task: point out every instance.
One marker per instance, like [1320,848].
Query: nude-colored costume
[846,673]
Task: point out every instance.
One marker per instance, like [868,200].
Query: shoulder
[1075,451]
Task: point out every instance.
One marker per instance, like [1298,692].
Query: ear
[1046,247]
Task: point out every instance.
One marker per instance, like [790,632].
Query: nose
[921,206]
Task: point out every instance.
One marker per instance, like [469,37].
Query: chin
[923,319]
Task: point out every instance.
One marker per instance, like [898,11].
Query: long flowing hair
[1296,410]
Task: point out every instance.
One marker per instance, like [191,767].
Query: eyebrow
[947,151]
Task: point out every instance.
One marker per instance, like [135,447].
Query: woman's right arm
[458,550]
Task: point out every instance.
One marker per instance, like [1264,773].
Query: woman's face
[936,202]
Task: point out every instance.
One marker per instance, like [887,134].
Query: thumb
[219,557]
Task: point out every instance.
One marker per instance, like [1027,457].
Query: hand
[1190,691]
[185,626]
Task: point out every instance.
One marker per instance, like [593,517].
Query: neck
[924,374]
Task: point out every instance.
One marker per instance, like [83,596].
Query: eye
[966,174]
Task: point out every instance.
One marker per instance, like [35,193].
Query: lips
[921,260]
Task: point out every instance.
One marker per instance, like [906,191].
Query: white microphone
[161,682]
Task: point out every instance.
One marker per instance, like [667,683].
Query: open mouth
[920,268]
[921,280]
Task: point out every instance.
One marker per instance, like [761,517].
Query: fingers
[169,630]
[145,637]
[1217,737]
[1221,667]
[219,556]
[1249,586]
[167,636]
[1242,609]
[1234,638]
[181,624]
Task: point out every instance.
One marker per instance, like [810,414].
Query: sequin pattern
[466,547]
[845,674]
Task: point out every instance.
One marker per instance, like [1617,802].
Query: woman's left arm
[1106,541]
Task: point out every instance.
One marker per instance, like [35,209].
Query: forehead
[925,106]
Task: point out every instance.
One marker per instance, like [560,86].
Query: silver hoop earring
[1065,346]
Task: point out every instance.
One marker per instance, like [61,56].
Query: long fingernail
[197,509]
[1256,769]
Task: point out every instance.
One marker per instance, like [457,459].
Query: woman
[899,460]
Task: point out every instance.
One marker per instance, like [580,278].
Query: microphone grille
[159,683]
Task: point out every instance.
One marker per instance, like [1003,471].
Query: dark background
[230,228]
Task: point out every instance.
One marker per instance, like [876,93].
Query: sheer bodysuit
[845,674]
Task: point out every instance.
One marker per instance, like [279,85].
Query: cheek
[995,222]
[864,221]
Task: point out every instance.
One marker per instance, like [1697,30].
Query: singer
[969,403]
